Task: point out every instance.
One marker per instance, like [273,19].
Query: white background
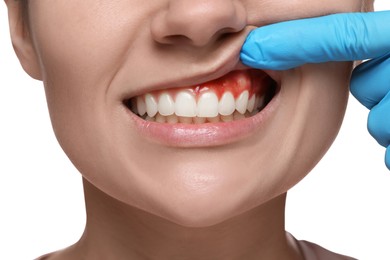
[344,204]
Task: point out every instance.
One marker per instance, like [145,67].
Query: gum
[235,82]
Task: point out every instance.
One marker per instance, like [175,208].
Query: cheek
[259,11]
[81,48]
[82,44]
[323,99]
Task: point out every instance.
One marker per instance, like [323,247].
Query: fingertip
[369,82]
[249,54]
[249,61]
[387,157]
[361,81]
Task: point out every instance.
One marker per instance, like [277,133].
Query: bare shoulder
[312,251]
[64,254]
[46,257]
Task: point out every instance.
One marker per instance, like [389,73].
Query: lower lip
[204,135]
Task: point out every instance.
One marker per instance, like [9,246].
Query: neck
[116,230]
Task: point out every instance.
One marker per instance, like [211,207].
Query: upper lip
[225,60]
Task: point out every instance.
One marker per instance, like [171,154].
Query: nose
[197,22]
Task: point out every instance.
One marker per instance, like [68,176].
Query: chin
[202,211]
[209,200]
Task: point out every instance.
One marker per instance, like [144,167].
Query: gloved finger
[379,121]
[370,81]
[338,37]
[387,157]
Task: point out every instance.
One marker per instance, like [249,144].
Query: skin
[224,202]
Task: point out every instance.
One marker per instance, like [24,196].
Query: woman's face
[96,56]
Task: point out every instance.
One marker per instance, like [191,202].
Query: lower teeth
[173,119]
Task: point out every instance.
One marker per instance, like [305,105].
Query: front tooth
[242,102]
[166,105]
[141,107]
[151,105]
[208,105]
[251,103]
[227,104]
[185,104]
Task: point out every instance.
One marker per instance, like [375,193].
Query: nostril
[197,23]
[176,39]
[182,39]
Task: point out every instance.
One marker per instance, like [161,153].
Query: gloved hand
[338,37]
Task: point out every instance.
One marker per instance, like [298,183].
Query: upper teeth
[185,104]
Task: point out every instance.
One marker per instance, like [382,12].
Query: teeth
[160,118]
[151,105]
[228,118]
[234,96]
[242,102]
[185,109]
[251,103]
[238,116]
[259,102]
[213,119]
[141,107]
[208,105]
[199,120]
[166,105]
[185,104]
[227,104]
[172,119]
[185,120]
[148,118]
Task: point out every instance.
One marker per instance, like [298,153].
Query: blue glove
[338,37]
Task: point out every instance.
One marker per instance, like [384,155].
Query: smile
[235,96]
[218,112]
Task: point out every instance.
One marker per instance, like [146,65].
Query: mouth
[235,96]
[214,113]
